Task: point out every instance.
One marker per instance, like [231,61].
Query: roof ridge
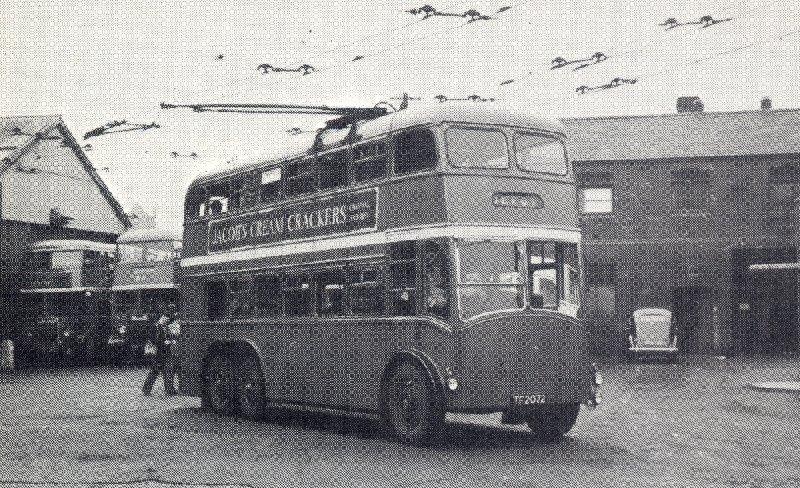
[680,114]
[43,116]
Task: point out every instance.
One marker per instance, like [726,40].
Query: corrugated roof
[11,144]
[71,245]
[681,135]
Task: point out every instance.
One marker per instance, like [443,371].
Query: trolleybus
[145,285]
[423,262]
[69,298]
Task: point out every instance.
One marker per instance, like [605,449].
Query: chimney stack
[766,103]
[689,104]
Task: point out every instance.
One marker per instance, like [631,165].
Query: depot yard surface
[690,424]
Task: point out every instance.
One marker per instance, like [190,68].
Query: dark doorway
[765,302]
[691,308]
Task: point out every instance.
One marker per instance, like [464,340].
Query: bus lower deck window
[367,292]
[415,150]
[330,292]
[267,291]
[217,300]
[297,295]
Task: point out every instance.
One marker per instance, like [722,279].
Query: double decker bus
[145,285]
[423,262]
[68,294]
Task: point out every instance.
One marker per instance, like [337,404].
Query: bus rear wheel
[550,422]
[219,386]
[412,405]
[250,394]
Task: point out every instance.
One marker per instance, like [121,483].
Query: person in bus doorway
[163,334]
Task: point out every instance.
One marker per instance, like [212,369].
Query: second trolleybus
[145,286]
[423,262]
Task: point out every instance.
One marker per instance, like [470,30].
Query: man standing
[163,334]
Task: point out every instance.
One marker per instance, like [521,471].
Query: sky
[101,60]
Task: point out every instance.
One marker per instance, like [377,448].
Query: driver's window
[436,279]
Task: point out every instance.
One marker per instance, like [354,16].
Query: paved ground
[691,424]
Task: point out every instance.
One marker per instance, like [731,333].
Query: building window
[597,200]
[691,189]
[415,150]
[601,274]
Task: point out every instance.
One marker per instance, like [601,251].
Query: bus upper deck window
[370,161]
[299,177]
[332,169]
[540,154]
[195,203]
[270,185]
[218,199]
[476,148]
[415,150]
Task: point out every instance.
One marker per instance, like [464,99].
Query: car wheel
[250,394]
[412,404]
[550,422]
[219,385]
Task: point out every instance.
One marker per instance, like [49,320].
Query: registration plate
[527,399]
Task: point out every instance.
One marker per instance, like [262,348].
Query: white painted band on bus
[498,232]
[60,290]
[144,286]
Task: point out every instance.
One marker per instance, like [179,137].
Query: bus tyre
[550,422]
[250,388]
[219,387]
[412,404]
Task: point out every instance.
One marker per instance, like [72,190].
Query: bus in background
[145,285]
[68,294]
[419,263]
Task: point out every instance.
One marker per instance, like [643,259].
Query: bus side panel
[348,357]
[280,346]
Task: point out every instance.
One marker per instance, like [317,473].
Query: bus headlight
[122,329]
[452,384]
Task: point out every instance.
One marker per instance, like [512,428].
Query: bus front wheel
[250,388]
[550,422]
[412,405]
[219,386]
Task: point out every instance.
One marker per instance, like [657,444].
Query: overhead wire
[499,15]
[650,47]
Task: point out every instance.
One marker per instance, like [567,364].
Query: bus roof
[415,115]
[71,245]
[146,235]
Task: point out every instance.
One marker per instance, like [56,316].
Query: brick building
[676,209]
[48,190]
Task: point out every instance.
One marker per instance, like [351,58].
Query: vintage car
[652,335]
